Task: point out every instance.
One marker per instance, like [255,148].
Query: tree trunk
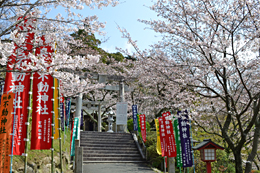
[253,153]
[238,161]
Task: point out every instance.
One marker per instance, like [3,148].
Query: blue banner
[134,110]
[68,105]
[81,121]
[184,128]
[2,84]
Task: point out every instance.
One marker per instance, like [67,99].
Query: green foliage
[152,156]
[87,38]
[117,56]
[108,57]
[222,162]
[130,126]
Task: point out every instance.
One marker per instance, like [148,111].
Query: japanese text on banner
[5,130]
[185,138]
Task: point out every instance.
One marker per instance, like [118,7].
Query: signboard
[134,110]
[121,113]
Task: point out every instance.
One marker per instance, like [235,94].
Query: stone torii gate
[102,78]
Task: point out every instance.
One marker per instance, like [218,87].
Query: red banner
[19,83]
[170,140]
[42,105]
[143,126]
[71,134]
[162,136]
[5,130]
[166,114]
[42,112]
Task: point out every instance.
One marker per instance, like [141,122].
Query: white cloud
[129,47]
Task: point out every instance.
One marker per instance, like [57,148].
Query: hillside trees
[209,55]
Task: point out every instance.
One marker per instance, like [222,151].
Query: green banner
[178,143]
[139,125]
[74,136]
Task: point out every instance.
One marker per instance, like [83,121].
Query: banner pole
[52,129]
[164,165]
[192,147]
[28,118]
[60,126]
[11,163]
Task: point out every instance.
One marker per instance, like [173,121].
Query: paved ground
[116,168]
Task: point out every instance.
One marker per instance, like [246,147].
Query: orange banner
[56,107]
[5,130]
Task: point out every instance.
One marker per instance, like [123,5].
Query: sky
[125,15]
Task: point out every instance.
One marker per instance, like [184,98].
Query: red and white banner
[42,112]
[162,136]
[62,112]
[170,140]
[143,126]
[42,105]
[166,114]
[19,83]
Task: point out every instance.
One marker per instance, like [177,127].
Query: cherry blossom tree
[39,18]
[208,60]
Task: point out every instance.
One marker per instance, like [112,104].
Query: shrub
[152,156]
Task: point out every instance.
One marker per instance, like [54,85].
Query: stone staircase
[104,147]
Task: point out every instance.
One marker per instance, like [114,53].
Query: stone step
[103,148]
[103,133]
[112,159]
[85,142]
[114,145]
[114,155]
[111,151]
[105,137]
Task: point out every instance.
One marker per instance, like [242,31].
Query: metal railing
[140,145]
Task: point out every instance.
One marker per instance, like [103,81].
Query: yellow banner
[5,131]
[158,144]
[56,107]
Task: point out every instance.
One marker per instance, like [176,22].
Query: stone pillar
[171,165]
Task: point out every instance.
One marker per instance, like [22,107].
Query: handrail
[142,149]
[138,145]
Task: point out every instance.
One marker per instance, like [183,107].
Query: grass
[36,156]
